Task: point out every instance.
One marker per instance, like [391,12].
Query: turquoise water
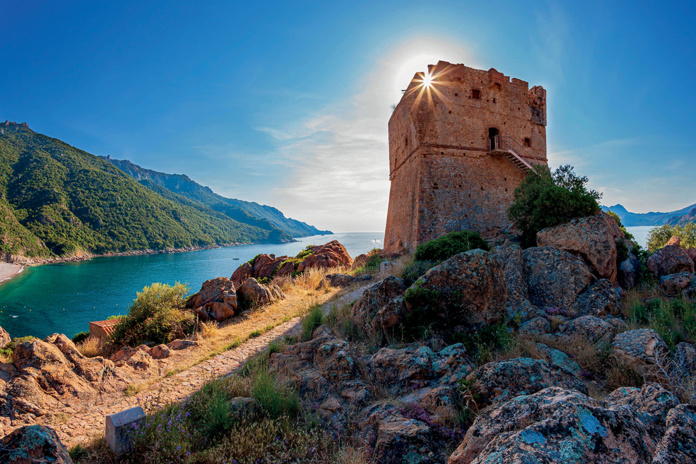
[63,298]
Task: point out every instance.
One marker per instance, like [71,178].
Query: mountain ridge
[245,211]
[629,219]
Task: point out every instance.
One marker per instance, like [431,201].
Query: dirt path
[82,427]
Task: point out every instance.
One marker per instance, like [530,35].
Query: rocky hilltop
[506,355]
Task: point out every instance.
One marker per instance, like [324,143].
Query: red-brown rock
[242,273]
[252,294]
[265,266]
[4,338]
[592,238]
[216,300]
[674,241]
[670,259]
[332,254]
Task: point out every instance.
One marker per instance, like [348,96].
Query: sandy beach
[7,270]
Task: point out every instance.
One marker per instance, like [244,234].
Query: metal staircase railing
[509,148]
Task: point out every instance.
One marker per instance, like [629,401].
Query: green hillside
[248,212]
[56,200]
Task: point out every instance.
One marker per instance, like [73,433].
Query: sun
[427,79]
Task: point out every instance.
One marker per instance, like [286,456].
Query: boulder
[468,289]
[501,381]
[554,277]
[639,348]
[397,439]
[286,269]
[670,259]
[400,369]
[252,294]
[265,266]
[559,358]
[374,298]
[559,425]
[588,329]
[517,304]
[692,253]
[678,445]
[242,273]
[390,316]
[629,272]
[675,240]
[592,238]
[332,254]
[536,326]
[33,444]
[601,299]
[684,359]
[360,261]
[181,344]
[159,352]
[217,300]
[4,338]
[673,284]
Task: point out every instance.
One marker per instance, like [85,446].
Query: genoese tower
[460,141]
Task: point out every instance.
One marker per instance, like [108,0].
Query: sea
[64,298]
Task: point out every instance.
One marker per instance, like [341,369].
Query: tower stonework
[457,149]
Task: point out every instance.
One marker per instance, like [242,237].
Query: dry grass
[350,455]
[208,330]
[521,347]
[91,347]
[400,264]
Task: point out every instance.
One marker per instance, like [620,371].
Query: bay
[640,233]
[63,298]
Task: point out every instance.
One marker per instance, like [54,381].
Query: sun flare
[427,79]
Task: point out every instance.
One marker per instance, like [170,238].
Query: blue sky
[286,103]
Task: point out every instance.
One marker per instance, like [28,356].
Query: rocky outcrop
[332,254]
[4,338]
[33,444]
[601,299]
[670,259]
[242,273]
[639,348]
[517,304]
[252,294]
[217,300]
[678,445]
[467,289]
[265,266]
[374,298]
[673,284]
[554,277]
[501,381]
[52,373]
[560,425]
[629,272]
[589,330]
[592,238]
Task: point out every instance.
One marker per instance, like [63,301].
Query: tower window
[527,142]
[476,94]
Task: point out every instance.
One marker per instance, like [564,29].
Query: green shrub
[674,320]
[155,316]
[546,199]
[484,343]
[449,245]
[80,337]
[414,270]
[659,236]
[275,399]
[311,321]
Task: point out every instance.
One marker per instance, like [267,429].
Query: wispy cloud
[338,158]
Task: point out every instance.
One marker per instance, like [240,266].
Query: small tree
[660,235]
[546,199]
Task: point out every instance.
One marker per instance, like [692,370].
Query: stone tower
[458,147]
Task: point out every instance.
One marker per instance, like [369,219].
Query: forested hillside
[57,200]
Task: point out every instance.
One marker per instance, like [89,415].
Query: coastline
[9,270]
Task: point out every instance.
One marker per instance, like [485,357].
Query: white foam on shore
[7,274]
